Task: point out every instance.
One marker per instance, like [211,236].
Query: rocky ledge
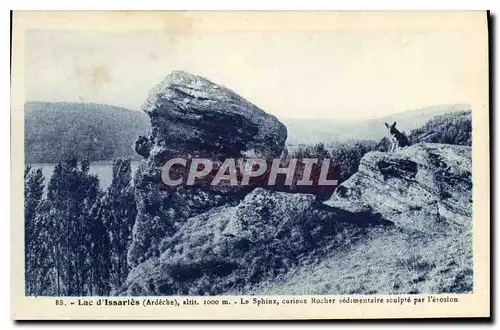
[426,186]
[193,241]
[231,248]
[424,189]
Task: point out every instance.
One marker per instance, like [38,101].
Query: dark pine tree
[118,212]
[45,268]
[73,194]
[33,194]
[97,239]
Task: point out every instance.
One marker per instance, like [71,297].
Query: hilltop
[90,131]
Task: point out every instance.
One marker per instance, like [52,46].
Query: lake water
[103,170]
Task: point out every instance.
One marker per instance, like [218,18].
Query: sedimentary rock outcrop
[198,240]
[193,117]
[426,187]
[422,190]
[230,248]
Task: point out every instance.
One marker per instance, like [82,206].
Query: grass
[391,261]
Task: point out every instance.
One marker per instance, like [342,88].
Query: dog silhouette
[398,139]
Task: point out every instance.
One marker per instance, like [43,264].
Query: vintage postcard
[250,165]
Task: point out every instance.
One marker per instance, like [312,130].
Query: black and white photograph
[296,164]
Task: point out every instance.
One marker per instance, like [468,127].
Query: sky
[291,74]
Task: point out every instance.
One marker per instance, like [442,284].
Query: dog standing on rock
[398,139]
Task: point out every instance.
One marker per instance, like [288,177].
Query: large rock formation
[420,195]
[425,186]
[201,240]
[231,248]
[190,117]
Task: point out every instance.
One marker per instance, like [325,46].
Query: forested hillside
[330,131]
[55,131]
[450,128]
